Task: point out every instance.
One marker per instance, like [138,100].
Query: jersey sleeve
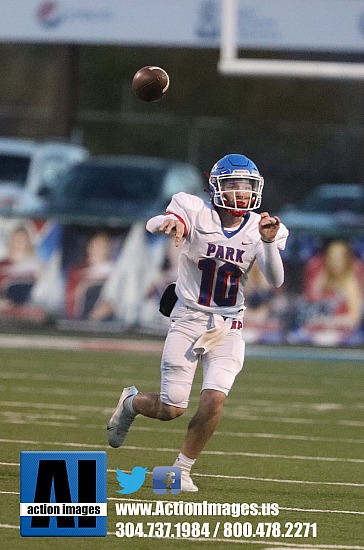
[184,207]
[281,237]
[269,259]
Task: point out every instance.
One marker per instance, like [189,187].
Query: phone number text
[227,529]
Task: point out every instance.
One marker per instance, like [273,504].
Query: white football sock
[184,462]
[128,405]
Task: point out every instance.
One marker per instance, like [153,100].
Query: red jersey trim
[180,219]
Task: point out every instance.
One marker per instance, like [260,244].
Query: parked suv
[116,190]
[330,209]
[28,168]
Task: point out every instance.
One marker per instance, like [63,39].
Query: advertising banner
[330,25]
[103,279]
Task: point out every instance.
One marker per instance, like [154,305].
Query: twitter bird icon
[130,483]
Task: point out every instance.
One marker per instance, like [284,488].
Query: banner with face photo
[100,278]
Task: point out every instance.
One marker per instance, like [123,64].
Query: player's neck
[227,219]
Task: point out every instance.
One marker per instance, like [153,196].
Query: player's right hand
[173,227]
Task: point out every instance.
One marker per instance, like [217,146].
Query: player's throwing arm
[173,227]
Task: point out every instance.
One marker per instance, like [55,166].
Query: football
[150,83]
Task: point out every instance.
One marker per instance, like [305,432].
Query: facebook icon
[166,479]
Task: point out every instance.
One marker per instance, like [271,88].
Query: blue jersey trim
[228,234]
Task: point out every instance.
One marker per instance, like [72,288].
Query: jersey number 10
[220,284]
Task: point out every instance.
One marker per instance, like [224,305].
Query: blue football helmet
[236,169]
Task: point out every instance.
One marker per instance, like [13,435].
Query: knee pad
[175,393]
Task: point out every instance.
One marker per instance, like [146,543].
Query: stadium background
[300,132]
[292,430]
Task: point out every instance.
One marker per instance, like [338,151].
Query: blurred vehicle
[331,209]
[115,190]
[29,168]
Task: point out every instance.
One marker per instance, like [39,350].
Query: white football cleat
[121,420]
[186,482]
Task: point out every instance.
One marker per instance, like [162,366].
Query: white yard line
[170,450]
[102,410]
[274,545]
[229,412]
[247,478]
[311,510]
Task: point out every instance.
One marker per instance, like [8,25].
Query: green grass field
[291,433]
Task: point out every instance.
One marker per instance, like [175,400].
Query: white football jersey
[214,262]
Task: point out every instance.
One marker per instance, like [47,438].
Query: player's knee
[176,394]
[169,412]
[212,402]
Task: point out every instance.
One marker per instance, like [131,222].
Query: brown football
[150,83]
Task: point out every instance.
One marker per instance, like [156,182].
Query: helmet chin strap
[238,213]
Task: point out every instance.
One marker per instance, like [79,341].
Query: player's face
[237,192]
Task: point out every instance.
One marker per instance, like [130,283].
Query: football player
[219,239]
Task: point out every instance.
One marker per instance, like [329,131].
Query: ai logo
[63,494]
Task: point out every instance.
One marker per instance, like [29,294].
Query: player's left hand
[268,226]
